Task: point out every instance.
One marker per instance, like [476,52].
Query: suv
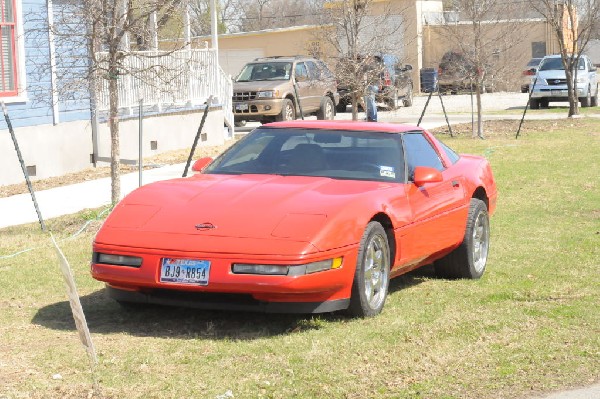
[395,83]
[264,90]
[551,83]
[456,72]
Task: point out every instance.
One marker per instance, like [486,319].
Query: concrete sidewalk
[19,209]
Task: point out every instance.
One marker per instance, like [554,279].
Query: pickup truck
[551,83]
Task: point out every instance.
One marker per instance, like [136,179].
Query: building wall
[67,147]
[511,62]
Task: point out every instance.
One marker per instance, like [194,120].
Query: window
[8,58]
[420,152]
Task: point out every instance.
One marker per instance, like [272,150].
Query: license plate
[559,92]
[184,271]
[241,107]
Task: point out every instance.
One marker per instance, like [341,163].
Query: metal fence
[176,80]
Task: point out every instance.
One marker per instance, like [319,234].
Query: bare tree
[93,45]
[357,32]
[574,23]
[489,30]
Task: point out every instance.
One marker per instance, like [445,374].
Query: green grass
[530,325]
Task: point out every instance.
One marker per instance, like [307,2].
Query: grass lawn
[530,325]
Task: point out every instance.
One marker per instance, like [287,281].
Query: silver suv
[551,84]
[279,88]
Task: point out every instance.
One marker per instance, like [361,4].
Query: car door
[438,209]
[303,86]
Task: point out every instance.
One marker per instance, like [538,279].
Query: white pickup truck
[551,83]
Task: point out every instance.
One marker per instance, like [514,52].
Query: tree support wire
[443,109]
[526,107]
[189,160]
[23,168]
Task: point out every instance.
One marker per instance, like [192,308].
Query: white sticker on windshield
[387,171]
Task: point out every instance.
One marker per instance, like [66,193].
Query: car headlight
[118,260]
[581,79]
[287,270]
[267,94]
[541,81]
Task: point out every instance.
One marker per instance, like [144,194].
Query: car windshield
[265,71]
[551,64]
[336,154]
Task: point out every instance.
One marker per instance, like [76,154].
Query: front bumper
[555,93]
[254,109]
[319,292]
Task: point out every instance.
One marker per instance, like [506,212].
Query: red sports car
[301,216]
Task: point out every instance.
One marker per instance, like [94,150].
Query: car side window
[301,71]
[420,152]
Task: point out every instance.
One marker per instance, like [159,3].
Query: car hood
[552,74]
[244,214]
[259,85]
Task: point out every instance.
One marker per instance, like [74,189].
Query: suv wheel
[587,100]
[534,104]
[326,109]
[288,113]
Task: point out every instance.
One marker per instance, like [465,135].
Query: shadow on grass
[106,316]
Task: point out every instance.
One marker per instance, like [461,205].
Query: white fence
[180,79]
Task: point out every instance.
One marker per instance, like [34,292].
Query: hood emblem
[205,226]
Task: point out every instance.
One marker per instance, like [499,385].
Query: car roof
[346,125]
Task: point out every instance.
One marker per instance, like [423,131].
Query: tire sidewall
[477,208]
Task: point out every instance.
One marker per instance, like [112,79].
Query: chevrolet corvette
[301,217]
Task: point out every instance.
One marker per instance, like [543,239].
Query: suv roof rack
[280,56]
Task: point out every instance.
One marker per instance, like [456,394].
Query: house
[58,134]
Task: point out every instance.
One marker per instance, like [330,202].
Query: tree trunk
[572,90]
[113,125]
[354,106]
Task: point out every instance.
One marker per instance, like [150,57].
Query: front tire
[470,258]
[587,100]
[372,274]
[288,113]
[534,104]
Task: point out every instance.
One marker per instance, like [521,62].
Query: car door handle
[455,183]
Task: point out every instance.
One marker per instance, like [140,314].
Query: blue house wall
[37,107]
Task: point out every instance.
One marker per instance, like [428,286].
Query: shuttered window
[8,59]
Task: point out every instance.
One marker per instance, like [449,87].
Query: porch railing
[178,80]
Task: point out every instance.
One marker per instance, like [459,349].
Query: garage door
[232,61]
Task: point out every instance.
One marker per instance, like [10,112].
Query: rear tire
[470,258]
[372,274]
[326,111]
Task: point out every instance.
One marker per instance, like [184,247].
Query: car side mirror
[425,174]
[200,164]
[301,78]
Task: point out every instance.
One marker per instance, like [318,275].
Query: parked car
[264,90]
[551,83]
[528,74]
[456,72]
[301,216]
[394,82]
